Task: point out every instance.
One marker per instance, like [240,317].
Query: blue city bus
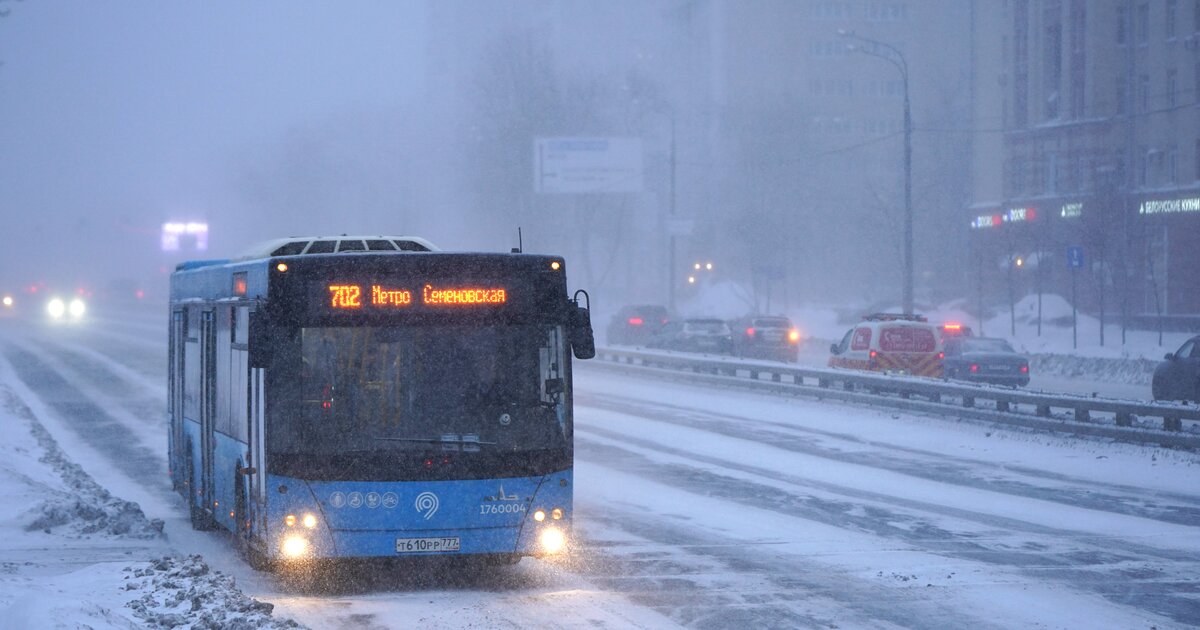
[373,397]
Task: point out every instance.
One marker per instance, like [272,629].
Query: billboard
[180,236]
[587,165]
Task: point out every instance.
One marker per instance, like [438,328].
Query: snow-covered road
[696,507]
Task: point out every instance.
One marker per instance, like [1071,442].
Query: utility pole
[671,226]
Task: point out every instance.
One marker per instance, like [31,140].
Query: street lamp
[901,64]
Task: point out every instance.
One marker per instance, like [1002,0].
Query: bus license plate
[426,545]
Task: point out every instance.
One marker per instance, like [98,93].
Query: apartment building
[1086,168]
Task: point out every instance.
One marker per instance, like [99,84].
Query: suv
[765,336]
[700,334]
[636,324]
[892,343]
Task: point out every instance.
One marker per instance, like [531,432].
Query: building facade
[1086,170]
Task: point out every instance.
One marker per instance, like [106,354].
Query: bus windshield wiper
[449,438]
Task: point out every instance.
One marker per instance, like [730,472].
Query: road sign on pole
[1075,257]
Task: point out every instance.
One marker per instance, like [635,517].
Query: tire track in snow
[938,467]
[1103,564]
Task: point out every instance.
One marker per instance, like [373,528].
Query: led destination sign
[355,297]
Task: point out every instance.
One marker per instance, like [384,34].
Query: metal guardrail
[1118,419]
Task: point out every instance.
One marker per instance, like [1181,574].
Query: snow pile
[80,506]
[185,592]
[1132,371]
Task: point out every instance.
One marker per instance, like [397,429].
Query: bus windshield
[446,392]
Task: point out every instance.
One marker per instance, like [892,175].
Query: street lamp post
[902,65]
[670,227]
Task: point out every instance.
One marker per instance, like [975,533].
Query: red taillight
[750,332]
[874,354]
[1024,369]
[635,321]
[941,355]
[974,367]
[663,321]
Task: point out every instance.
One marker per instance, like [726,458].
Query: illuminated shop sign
[1170,206]
[354,297]
[1012,215]
[1071,211]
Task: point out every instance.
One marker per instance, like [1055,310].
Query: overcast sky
[116,117]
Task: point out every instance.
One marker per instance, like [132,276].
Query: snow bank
[75,556]
[178,592]
[79,506]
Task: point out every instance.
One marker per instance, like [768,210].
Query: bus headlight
[539,516]
[309,521]
[77,308]
[56,308]
[552,540]
[295,547]
[556,514]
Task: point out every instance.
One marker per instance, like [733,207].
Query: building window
[1172,86]
[1051,175]
[1171,6]
[1123,24]
[1144,167]
[1172,165]
[1144,92]
[1020,86]
[1143,24]
[1198,160]
[1077,62]
[1052,69]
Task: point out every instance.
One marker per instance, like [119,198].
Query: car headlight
[77,308]
[56,308]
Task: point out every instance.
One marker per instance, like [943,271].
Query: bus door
[208,404]
[258,481]
[176,377]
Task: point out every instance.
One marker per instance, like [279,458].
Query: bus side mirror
[583,342]
[259,344]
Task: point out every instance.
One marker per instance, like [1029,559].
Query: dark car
[1178,376]
[765,337]
[984,360]
[635,325]
[700,334]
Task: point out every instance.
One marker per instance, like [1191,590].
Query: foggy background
[294,118]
